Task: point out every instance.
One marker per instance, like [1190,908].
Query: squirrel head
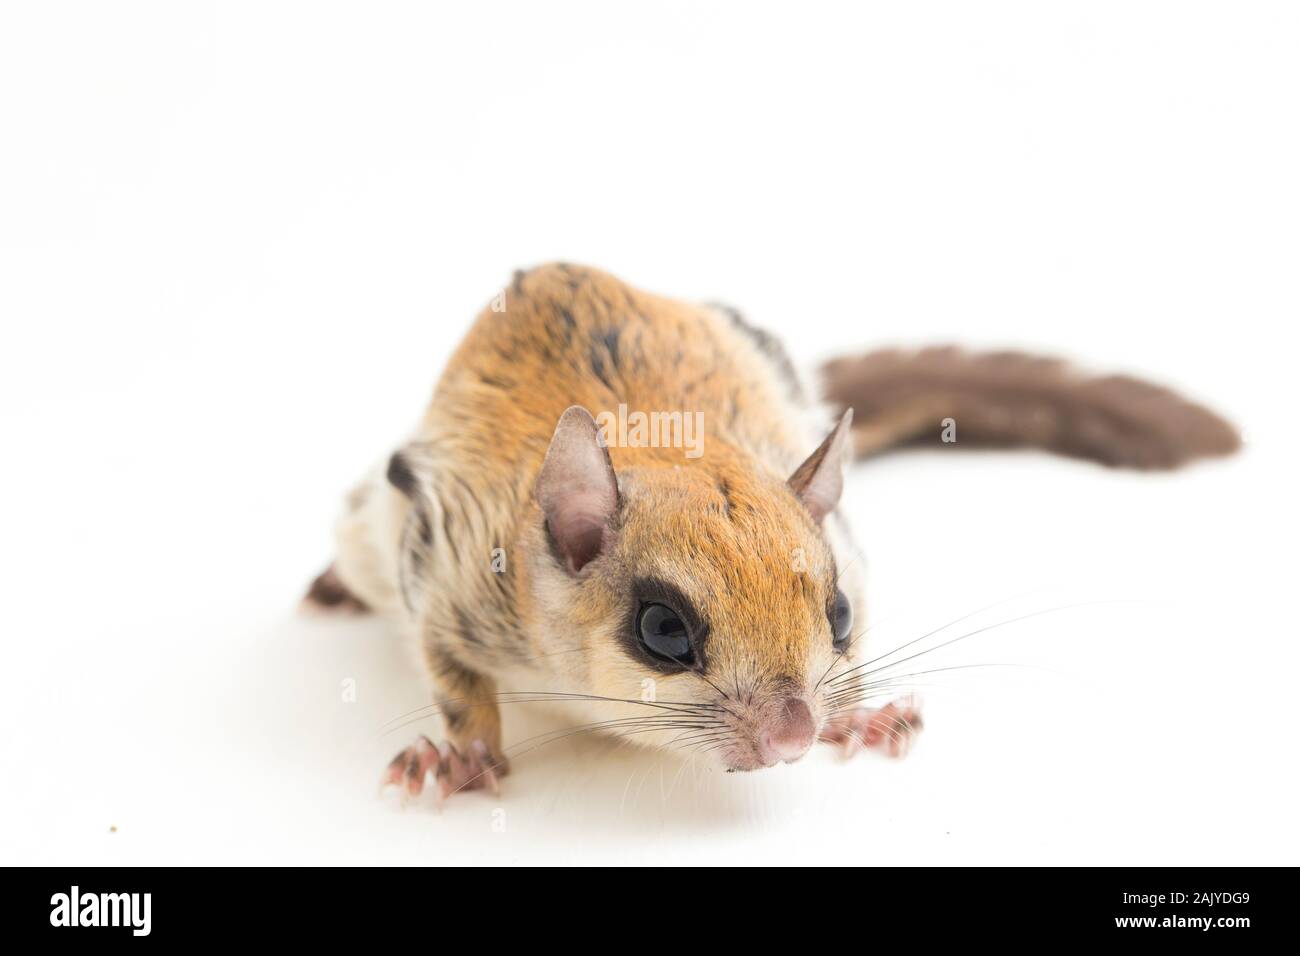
[706,594]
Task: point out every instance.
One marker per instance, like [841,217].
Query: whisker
[962,637]
[524,697]
[842,654]
[851,688]
[937,630]
[858,555]
[849,647]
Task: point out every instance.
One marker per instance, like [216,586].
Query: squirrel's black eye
[841,615]
[663,634]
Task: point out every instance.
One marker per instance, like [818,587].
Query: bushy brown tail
[1009,399]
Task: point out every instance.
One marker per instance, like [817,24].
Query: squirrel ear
[820,479]
[577,490]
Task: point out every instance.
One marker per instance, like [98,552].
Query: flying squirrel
[624,505]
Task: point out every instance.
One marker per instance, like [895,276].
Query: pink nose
[792,734]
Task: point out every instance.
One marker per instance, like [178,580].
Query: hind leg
[363,577]
[329,595]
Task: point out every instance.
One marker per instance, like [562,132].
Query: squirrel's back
[563,335]
[557,336]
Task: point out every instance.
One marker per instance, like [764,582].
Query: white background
[238,242]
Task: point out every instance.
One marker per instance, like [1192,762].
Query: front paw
[893,727]
[452,770]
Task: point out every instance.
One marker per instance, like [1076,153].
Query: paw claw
[893,727]
[452,771]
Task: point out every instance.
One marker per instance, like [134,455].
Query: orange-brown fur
[455,546]
[724,528]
